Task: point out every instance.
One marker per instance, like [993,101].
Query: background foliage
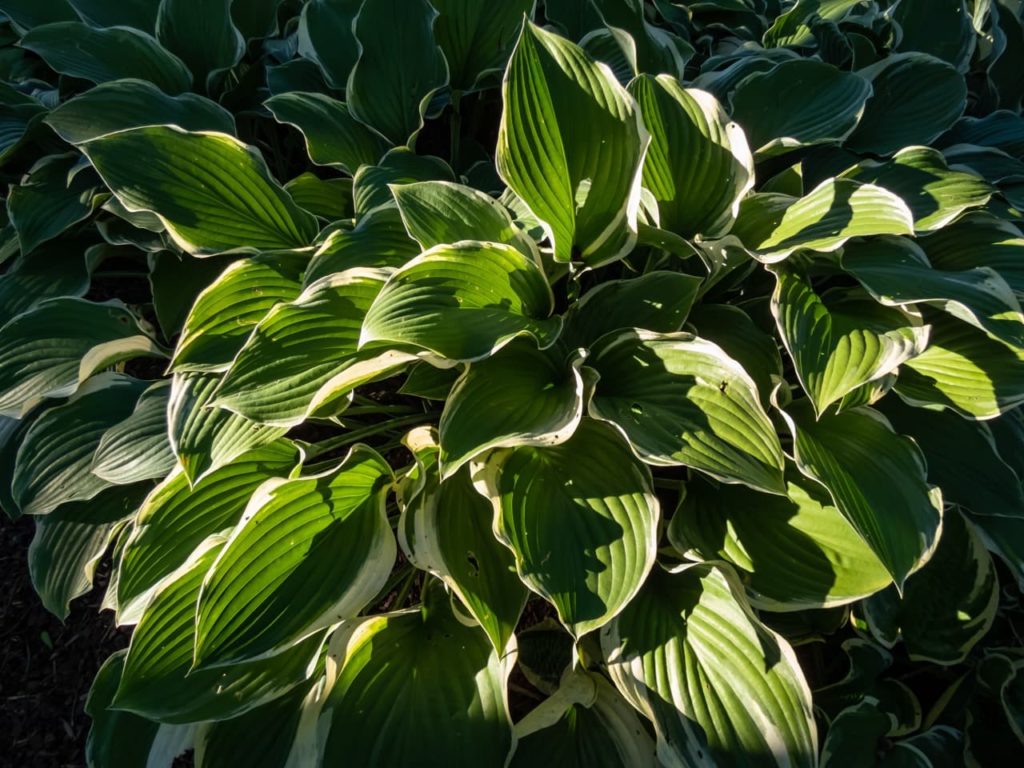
[583,382]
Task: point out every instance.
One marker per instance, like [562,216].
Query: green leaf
[698,165]
[278,378]
[140,14]
[50,199]
[935,194]
[446,529]
[575,17]
[942,29]
[962,457]
[680,399]
[439,212]
[325,36]
[120,739]
[176,280]
[841,340]
[979,240]
[836,210]
[799,103]
[123,104]
[645,47]
[571,145]
[211,191]
[877,480]
[399,68]
[794,552]
[330,199]
[401,674]
[306,554]
[584,723]
[719,686]
[856,735]
[69,543]
[430,383]
[176,517]
[518,396]
[378,241]
[136,448]
[225,313]
[49,351]
[947,607]
[98,55]
[657,301]
[55,269]
[1003,536]
[371,186]
[1001,129]
[897,273]
[476,36]
[964,369]
[202,34]
[795,26]
[255,18]
[32,13]
[916,98]
[158,682]
[204,437]
[462,302]
[52,465]
[334,137]
[581,518]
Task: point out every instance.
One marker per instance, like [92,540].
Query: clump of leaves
[597,382]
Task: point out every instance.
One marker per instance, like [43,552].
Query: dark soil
[46,667]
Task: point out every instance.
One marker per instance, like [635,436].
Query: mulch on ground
[46,667]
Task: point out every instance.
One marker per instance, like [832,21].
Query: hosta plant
[579,382]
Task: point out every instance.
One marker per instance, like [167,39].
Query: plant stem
[456,128]
[319,449]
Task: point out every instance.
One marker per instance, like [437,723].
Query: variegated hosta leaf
[121,739]
[877,480]
[1003,536]
[897,273]
[205,437]
[935,194]
[680,399]
[698,165]
[855,735]
[136,448]
[518,396]
[140,14]
[330,199]
[211,191]
[399,66]
[657,301]
[571,145]
[302,358]
[53,461]
[644,46]
[799,103]
[229,308]
[586,722]
[774,226]
[70,541]
[333,136]
[55,269]
[947,606]
[50,199]
[176,517]
[158,681]
[378,240]
[794,27]
[462,302]
[581,518]
[689,653]
[307,553]
[446,529]
[964,369]
[942,29]
[793,552]
[979,240]
[398,676]
[98,55]
[200,33]
[439,212]
[963,459]
[49,351]
[916,98]
[371,186]
[325,37]
[477,35]
[132,103]
[842,340]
